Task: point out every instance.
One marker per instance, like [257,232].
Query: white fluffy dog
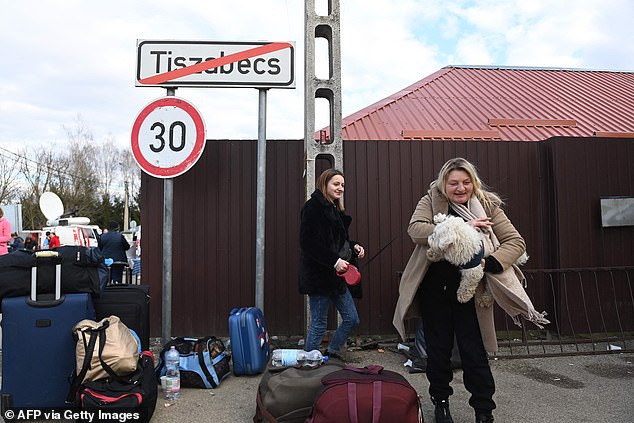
[460,244]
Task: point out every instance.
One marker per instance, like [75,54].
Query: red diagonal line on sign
[214,63]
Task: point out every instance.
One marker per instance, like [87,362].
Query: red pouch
[352,275]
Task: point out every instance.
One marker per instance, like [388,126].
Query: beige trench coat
[421,225]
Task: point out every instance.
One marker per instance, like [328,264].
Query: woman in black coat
[325,250]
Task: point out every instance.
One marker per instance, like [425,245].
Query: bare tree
[131,173]
[83,174]
[37,170]
[9,171]
[76,179]
[107,165]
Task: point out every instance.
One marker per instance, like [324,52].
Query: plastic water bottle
[172,376]
[291,357]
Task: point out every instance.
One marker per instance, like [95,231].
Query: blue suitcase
[38,349]
[250,346]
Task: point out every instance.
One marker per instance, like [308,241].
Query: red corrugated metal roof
[501,103]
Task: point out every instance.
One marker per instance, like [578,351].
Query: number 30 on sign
[168,137]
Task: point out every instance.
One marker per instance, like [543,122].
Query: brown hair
[322,185]
[480,190]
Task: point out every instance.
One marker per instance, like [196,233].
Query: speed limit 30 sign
[168,137]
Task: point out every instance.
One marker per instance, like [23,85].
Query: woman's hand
[359,250]
[483,223]
[341,266]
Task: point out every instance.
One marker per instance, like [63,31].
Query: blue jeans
[319,320]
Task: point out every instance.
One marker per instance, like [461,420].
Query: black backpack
[136,393]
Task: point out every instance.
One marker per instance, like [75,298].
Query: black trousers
[444,316]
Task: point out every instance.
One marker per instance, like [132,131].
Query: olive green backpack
[287,394]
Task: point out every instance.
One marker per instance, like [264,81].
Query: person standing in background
[5,233]
[30,243]
[54,241]
[113,245]
[325,250]
[16,242]
[46,241]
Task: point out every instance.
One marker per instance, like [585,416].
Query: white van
[86,235]
[71,230]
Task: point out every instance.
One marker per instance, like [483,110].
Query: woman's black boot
[484,418]
[441,412]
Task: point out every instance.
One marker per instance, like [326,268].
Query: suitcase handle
[45,303]
[42,258]
[126,273]
[372,369]
[46,253]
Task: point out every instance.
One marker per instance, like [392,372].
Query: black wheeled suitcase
[38,348]
[131,303]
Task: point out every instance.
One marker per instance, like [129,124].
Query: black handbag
[135,394]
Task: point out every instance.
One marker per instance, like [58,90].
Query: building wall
[551,190]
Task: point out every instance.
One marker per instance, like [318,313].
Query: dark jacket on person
[114,245]
[18,243]
[322,234]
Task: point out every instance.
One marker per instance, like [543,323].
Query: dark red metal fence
[551,189]
[593,314]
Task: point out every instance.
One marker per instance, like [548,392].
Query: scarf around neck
[474,210]
[507,287]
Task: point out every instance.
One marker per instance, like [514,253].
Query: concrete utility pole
[327,145]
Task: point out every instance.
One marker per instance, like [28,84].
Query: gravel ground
[598,388]
[590,388]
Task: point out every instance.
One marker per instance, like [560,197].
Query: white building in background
[13,213]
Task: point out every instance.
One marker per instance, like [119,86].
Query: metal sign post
[168,207]
[168,138]
[261,203]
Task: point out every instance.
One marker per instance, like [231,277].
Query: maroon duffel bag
[370,394]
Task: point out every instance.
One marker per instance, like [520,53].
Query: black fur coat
[323,231]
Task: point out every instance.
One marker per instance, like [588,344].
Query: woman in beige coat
[428,290]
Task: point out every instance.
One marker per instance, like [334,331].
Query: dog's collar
[476,260]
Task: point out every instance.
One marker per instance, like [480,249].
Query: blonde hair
[322,185]
[480,190]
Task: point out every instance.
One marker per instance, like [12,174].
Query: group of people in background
[51,240]
[427,291]
[16,242]
[12,241]
[112,243]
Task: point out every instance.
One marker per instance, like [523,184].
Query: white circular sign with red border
[168,137]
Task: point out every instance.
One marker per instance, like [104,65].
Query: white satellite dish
[51,205]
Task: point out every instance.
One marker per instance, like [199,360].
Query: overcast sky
[64,61]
